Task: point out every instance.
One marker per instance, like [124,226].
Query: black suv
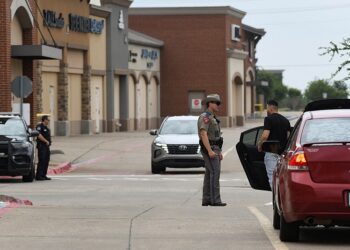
[17,147]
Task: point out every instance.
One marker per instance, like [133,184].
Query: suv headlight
[163,146]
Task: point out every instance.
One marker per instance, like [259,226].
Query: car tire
[276,220]
[289,232]
[157,169]
[30,176]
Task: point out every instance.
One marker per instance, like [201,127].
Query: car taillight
[298,162]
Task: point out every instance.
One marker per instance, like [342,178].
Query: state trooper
[211,148]
[43,145]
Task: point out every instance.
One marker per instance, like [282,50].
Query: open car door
[252,160]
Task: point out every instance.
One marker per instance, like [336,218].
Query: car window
[12,127]
[293,136]
[326,130]
[252,137]
[183,127]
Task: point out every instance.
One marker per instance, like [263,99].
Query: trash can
[258,110]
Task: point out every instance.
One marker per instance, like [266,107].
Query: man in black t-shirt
[276,128]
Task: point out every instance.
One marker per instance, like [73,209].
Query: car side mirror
[34,133]
[271,146]
[153,132]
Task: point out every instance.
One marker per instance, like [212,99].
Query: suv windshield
[326,130]
[182,127]
[12,127]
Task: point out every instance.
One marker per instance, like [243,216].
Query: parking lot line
[268,229]
[228,151]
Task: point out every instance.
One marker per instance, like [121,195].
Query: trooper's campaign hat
[213,98]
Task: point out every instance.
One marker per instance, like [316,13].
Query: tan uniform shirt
[211,124]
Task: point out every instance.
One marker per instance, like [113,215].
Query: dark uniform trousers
[211,185]
[43,161]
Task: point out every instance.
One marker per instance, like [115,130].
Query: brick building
[19,51]
[206,50]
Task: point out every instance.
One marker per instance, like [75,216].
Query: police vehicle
[17,147]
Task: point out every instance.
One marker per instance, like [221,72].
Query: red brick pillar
[5,58]
[30,36]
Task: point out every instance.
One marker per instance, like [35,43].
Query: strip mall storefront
[19,51]
[144,81]
[72,90]
[81,76]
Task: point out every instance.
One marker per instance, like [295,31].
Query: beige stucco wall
[49,97]
[64,35]
[235,92]
[74,97]
[132,98]
[97,108]
[50,65]
[49,79]
[141,103]
[98,50]
[75,61]
[248,100]
[16,32]
[153,99]
[116,98]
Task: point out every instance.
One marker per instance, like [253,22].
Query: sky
[295,32]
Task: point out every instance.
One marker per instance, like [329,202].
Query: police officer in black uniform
[43,145]
[211,148]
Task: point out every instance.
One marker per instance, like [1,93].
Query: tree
[342,50]
[295,99]
[276,90]
[321,89]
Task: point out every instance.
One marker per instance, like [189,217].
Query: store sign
[132,56]
[149,55]
[76,23]
[85,24]
[51,19]
[196,104]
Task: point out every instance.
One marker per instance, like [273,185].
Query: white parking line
[181,178]
[268,229]
[227,151]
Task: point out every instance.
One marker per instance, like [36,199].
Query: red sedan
[311,184]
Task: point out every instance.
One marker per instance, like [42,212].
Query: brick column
[5,58]
[63,128]
[86,123]
[39,88]
[30,36]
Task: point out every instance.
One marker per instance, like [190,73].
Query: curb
[60,169]
[11,203]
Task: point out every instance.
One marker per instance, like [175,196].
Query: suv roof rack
[328,104]
[10,114]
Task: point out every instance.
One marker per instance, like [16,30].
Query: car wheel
[276,221]
[30,176]
[289,231]
[157,169]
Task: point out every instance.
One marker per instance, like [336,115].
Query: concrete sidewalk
[66,152]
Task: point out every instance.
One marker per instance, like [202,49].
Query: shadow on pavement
[182,172]
[328,236]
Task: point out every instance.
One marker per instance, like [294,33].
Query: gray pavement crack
[191,196]
[131,224]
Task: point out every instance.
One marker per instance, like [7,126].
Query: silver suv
[176,144]
[17,147]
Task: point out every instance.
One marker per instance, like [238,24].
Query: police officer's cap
[213,98]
